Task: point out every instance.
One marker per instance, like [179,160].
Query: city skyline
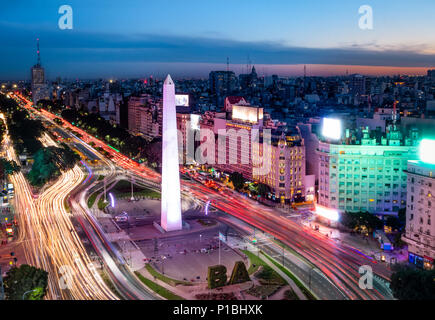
[189,41]
[202,152]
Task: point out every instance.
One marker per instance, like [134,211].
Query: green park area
[269,281]
[123,190]
[158,289]
[170,281]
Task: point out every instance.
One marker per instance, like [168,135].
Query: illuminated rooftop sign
[331,128]
[182,100]
[427,151]
[247,113]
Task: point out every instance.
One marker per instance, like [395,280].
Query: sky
[138,38]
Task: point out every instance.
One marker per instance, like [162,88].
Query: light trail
[338,262]
[48,236]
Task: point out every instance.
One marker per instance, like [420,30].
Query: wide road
[338,262]
[126,282]
[49,239]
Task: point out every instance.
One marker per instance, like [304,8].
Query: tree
[48,162]
[408,283]
[153,153]
[263,189]
[25,132]
[356,220]
[23,279]
[393,222]
[7,168]
[238,180]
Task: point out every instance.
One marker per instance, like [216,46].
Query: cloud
[62,48]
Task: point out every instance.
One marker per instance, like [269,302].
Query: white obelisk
[171,202]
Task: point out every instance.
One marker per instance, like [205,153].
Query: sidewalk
[368,246]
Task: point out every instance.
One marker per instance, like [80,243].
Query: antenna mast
[38,52]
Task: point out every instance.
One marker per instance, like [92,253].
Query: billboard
[427,151]
[331,128]
[247,113]
[182,100]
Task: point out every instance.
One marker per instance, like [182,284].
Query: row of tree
[49,162]
[410,283]
[25,133]
[7,167]
[134,147]
[25,283]
[239,183]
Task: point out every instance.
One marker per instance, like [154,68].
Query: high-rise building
[39,88]
[358,84]
[365,174]
[420,214]
[249,80]
[286,176]
[431,75]
[145,115]
[222,82]
[240,147]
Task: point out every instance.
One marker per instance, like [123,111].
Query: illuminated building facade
[420,212]
[365,174]
[286,177]
[145,115]
[171,196]
[284,170]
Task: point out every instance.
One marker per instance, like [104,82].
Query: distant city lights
[331,128]
[427,151]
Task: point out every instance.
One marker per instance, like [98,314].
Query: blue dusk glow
[138,38]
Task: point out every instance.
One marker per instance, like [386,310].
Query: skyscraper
[39,88]
[358,84]
[171,202]
[222,82]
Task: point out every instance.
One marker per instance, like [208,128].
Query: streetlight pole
[132,195]
[28,292]
[283,255]
[105,198]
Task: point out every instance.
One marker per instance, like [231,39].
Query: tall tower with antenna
[38,78]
